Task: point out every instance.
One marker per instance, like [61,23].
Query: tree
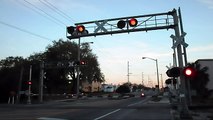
[123,89]
[56,80]
[67,51]
[200,80]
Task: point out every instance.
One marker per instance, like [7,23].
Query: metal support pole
[183,106]
[41,82]
[185,60]
[157,75]
[20,85]
[128,72]
[156,61]
[78,68]
[29,89]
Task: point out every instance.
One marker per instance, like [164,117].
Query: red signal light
[29,83]
[121,24]
[80,28]
[133,22]
[82,63]
[189,72]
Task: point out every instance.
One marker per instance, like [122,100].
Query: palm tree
[200,79]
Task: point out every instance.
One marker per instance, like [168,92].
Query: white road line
[107,114]
[46,118]
[138,102]
[135,103]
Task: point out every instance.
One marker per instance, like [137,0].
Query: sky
[29,26]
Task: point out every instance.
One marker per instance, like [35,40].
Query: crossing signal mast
[122,25]
[158,21]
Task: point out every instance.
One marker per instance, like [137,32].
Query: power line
[45,13]
[58,11]
[23,30]
[38,13]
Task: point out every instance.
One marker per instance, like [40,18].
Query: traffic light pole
[29,89]
[41,82]
[78,68]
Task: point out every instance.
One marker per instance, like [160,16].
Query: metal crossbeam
[109,26]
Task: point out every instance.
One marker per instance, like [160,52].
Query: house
[95,86]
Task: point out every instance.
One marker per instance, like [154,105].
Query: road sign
[179,40]
[100,26]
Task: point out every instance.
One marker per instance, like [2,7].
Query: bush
[123,89]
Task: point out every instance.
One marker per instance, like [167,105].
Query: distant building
[95,86]
[207,63]
[108,88]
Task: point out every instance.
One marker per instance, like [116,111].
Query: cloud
[208,3]
[207,48]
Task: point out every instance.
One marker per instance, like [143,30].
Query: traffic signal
[70,29]
[189,71]
[80,28]
[133,22]
[173,72]
[29,83]
[83,62]
[171,80]
[121,24]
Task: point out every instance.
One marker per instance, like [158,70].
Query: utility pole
[161,81]
[128,71]
[142,81]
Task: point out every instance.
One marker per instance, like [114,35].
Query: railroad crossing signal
[100,26]
[133,22]
[124,25]
[189,71]
[179,40]
[173,72]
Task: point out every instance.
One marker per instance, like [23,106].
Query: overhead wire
[45,12]
[23,30]
[35,10]
[57,10]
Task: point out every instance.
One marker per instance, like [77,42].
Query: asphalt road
[90,109]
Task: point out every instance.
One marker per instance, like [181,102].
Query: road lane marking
[135,103]
[107,114]
[47,118]
[145,100]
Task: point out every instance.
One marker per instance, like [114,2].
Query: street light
[156,68]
